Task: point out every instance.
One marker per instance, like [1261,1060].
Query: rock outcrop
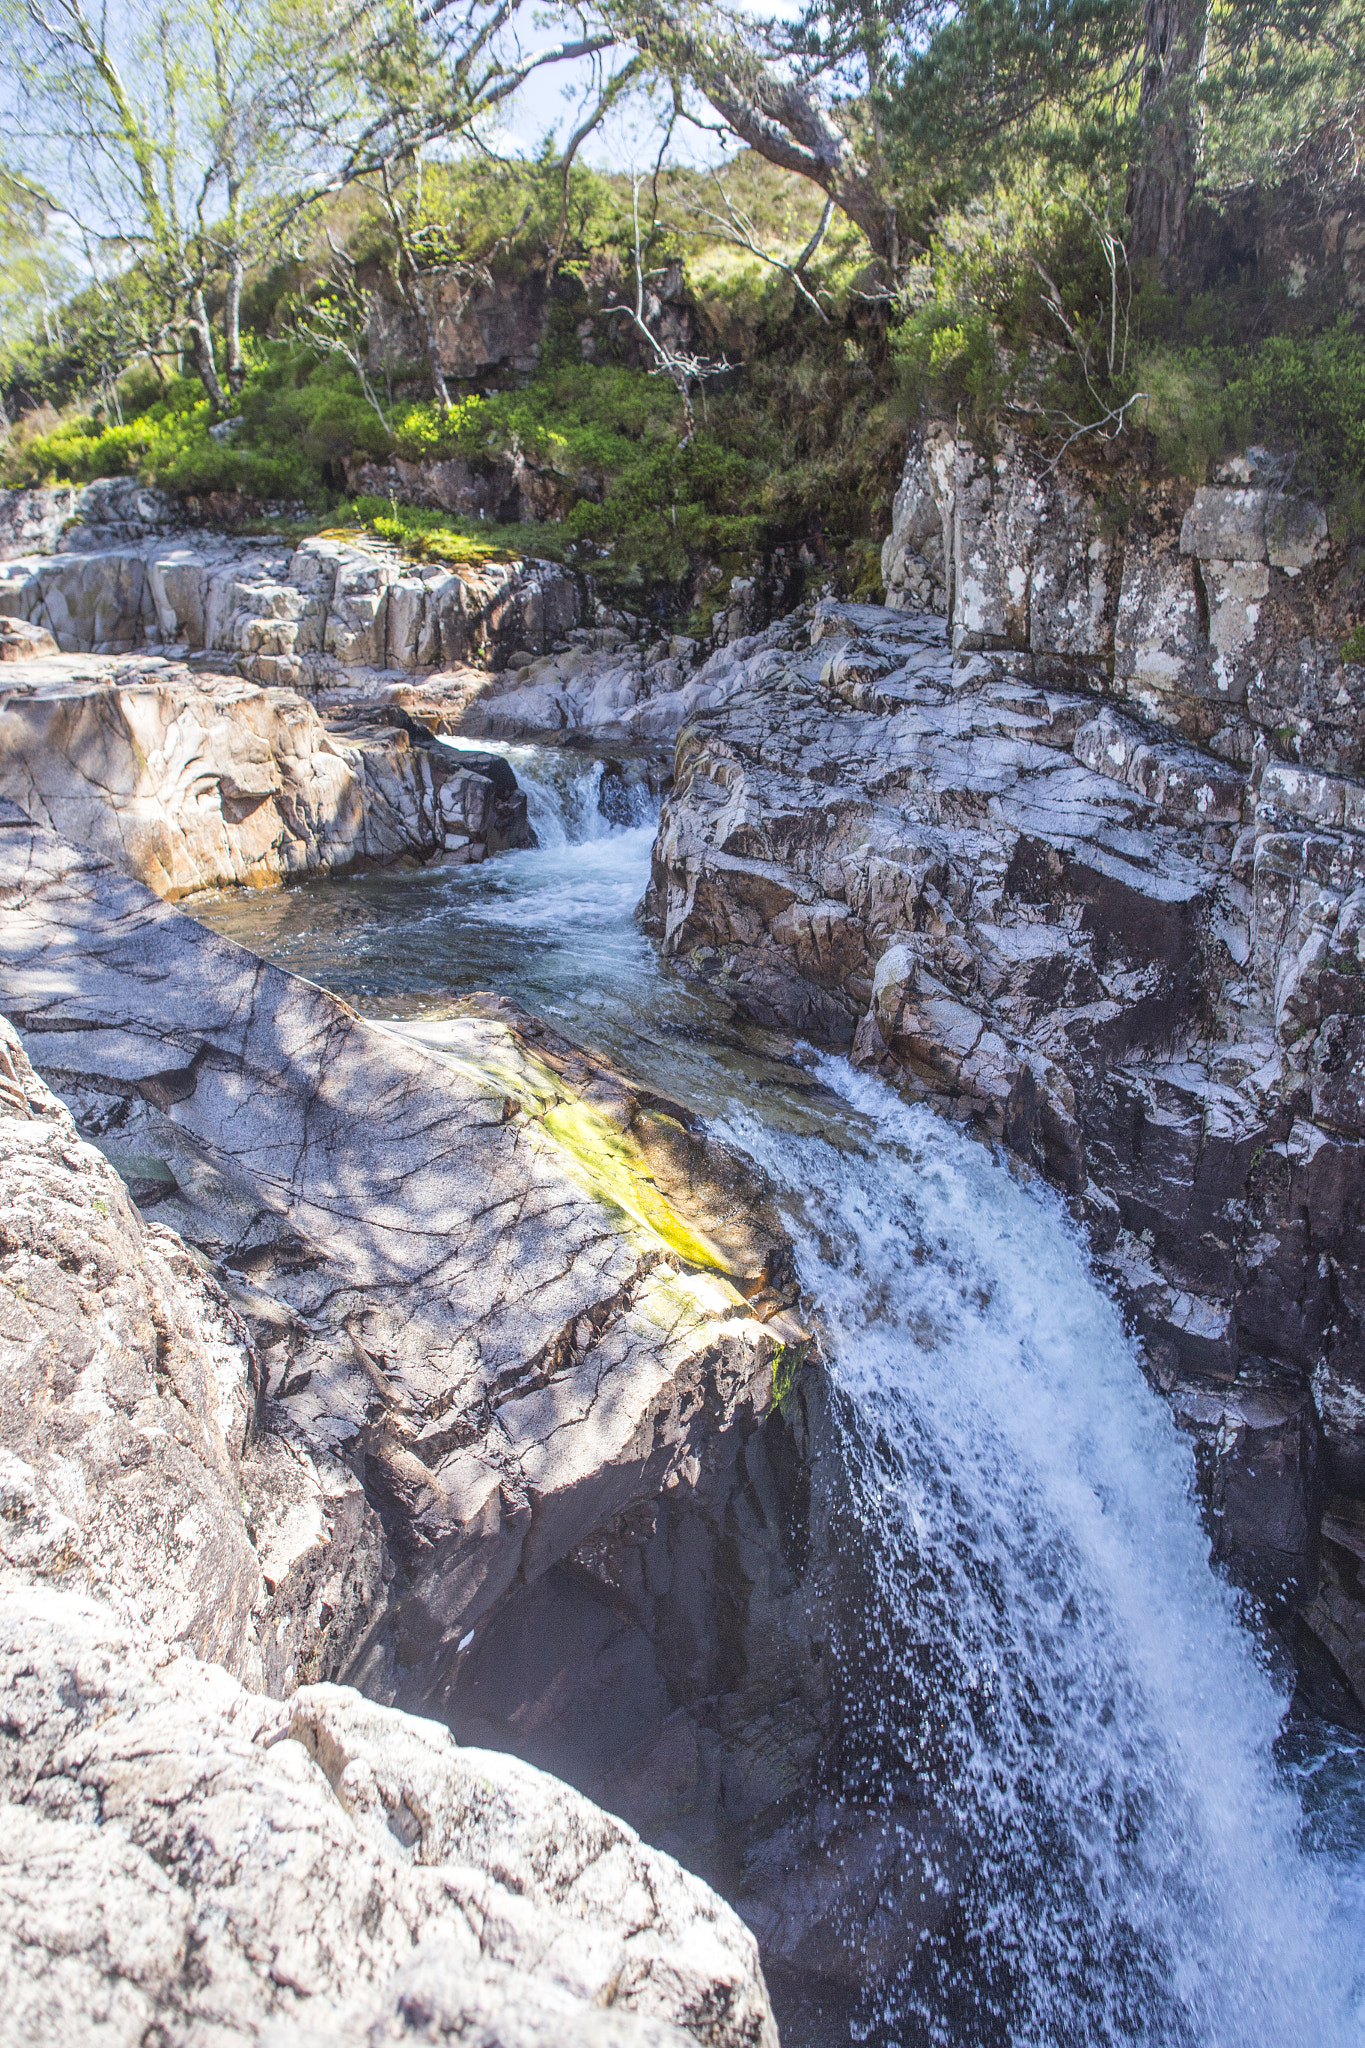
[183,1852]
[193,780]
[488,1287]
[128,1438]
[1127,958]
[75,518]
[604,692]
[325,614]
[186,1860]
[1219,613]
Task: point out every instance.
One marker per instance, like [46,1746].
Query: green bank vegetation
[1017,218]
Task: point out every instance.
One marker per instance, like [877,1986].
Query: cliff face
[324,613]
[1218,613]
[1090,876]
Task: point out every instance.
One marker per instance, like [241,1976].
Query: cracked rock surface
[185,1859]
[330,612]
[181,1853]
[1130,960]
[441,1270]
[133,1455]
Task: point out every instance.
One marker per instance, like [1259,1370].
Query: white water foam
[1129,1866]
[1056,1665]
[564,793]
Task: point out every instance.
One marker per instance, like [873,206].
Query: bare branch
[738,227]
[682,368]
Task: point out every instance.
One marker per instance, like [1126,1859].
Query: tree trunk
[410,281]
[232,304]
[232,327]
[200,339]
[417,299]
[778,117]
[1161,183]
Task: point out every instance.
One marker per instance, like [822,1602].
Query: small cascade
[572,797]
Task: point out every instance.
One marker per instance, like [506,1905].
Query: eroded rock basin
[924,1667]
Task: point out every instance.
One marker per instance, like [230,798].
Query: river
[1144,1850]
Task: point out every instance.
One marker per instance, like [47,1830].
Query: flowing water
[1136,1855]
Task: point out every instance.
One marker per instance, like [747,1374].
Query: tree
[170,141]
[1162,182]
[427,76]
[778,111]
[899,109]
[35,273]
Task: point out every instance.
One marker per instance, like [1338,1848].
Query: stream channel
[1146,1848]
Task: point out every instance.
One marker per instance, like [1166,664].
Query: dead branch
[681,367]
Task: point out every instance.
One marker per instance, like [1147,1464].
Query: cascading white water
[1046,1656]
[1127,1864]
[565,800]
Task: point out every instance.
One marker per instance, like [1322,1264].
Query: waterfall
[1059,1668]
[1050,1704]
[572,797]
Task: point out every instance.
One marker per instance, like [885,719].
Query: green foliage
[1353,646]
[166,443]
[787,1362]
[1302,395]
[640,509]
[427,536]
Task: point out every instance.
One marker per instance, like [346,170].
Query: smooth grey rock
[21,642]
[129,1426]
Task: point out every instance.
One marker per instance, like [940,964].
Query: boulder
[336,1871]
[190,781]
[21,642]
[130,1431]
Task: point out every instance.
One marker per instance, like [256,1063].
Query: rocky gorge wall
[1064,878]
[325,612]
[1219,613]
[500,1355]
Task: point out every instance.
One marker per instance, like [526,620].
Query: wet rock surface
[1122,956]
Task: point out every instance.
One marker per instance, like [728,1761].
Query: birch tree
[169,138]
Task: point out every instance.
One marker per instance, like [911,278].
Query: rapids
[1136,1852]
